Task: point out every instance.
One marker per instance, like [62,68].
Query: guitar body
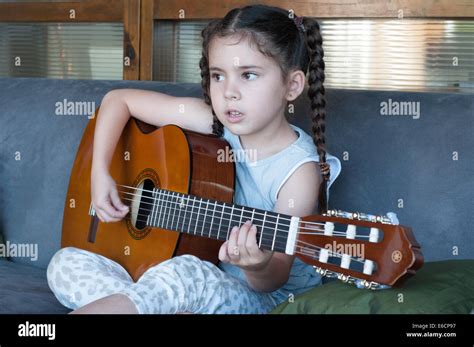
[147,157]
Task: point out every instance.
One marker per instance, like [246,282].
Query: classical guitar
[180,198]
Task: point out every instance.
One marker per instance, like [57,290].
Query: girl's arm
[151,107]
[297,197]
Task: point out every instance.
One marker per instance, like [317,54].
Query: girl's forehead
[235,50]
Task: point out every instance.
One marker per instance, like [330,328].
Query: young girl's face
[245,80]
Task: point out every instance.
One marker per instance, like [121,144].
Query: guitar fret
[220,221]
[230,221]
[263,227]
[157,202]
[251,219]
[191,215]
[212,219]
[185,211]
[181,205]
[167,213]
[174,210]
[197,217]
[204,219]
[148,218]
[170,204]
[153,208]
[241,214]
[160,214]
[274,234]
[157,213]
[158,205]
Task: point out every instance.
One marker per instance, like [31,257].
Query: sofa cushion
[389,163]
[24,289]
[438,287]
[38,150]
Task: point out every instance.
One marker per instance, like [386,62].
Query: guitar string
[267,237]
[188,215]
[279,239]
[187,197]
[342,233]
[210,225]
[335,232]
[313,250]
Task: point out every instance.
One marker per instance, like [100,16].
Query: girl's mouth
[234,116]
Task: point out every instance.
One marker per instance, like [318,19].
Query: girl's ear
[295,84]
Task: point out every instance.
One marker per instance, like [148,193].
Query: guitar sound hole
[146,203]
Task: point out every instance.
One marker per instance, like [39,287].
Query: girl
[254,62]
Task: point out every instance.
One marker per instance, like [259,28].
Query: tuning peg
[373,285]
[343,278]
[325,272]
[360,216]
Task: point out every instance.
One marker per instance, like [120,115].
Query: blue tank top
[257,185]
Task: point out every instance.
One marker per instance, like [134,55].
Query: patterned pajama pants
[181,284]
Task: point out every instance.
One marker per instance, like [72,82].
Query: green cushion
[438,287]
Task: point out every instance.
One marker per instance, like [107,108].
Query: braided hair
[294,43]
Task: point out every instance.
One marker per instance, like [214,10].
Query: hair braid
[316,93]
[217,126]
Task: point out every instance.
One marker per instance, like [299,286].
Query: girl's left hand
[241,249]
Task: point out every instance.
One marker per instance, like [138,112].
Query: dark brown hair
[276,35]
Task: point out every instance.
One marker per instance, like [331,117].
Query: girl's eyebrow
[240,67]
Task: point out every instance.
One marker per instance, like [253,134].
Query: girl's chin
[236,128]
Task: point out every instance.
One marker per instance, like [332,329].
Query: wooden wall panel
[204,9]
[97,11]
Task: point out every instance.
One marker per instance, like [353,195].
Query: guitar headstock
[359,247]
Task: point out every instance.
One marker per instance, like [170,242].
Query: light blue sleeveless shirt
[257,185]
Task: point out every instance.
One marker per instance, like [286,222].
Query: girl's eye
[214,76]
[250,73]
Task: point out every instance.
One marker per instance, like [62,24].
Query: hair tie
[299,23]
[325,170]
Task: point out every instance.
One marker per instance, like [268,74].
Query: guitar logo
[397,256]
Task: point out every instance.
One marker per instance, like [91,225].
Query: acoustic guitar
[181,202]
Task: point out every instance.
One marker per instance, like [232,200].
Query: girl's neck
[275,137]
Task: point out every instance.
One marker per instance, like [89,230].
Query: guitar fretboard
[214,219]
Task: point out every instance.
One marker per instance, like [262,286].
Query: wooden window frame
[138,16]
[117,11]
[206,9]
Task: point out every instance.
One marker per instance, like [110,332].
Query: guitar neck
[214,219]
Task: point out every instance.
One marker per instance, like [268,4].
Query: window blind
[62,50]
[381,54]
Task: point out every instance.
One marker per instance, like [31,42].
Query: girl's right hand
[105,198]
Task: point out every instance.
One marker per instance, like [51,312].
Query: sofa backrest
[419,167]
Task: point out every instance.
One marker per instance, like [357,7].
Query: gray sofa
[397,163]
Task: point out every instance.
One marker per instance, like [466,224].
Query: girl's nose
[231,91]
[232,95]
